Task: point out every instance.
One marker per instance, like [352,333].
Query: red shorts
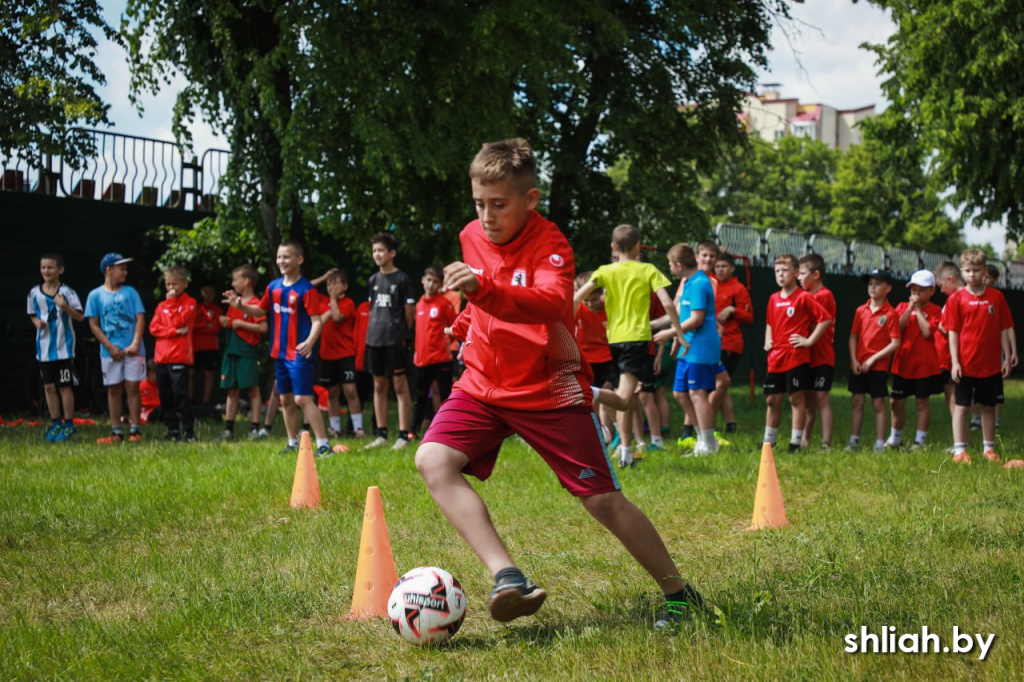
[569,440]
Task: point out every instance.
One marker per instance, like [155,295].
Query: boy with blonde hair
[240,369]
[981,351]
[628,284]
[517,275]
[823,353]
[172,326]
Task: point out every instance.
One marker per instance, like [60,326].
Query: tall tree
[953,72]
[48,75]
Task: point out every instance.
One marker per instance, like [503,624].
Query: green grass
[178,561]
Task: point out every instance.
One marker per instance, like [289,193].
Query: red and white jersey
[874,330]
[432,345]
[824,352]
[522,354]
[206,334]
[338,339]
[592,334]
[732,293]
[362,324]
[793,314]
[917,357]
[979,321]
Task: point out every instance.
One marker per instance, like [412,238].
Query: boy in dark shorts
[875,336]
[392,311]
[517,275]
[732,303]
[983,353]
[53,307]
[433,348]
[823,353]
[338,356]
[240,370]
[592,337]
[791,312]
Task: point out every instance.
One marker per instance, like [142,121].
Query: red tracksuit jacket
[521,353]
[170,315]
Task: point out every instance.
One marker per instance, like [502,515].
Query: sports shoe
[654,447]
[700,449]
[65,433]
[962,458]
[112,439]
[188,437]
[793,448]
[377,442]
[975,424]
[52,431]
[135,437]
[333,433]
[614,444]
[893,445]
[825,447]
[324,451]
[916,445]
[680,611]
[730,427]
[359,433]
[852,446]
[514,596]
[687,443]
[626,460]
[259,435]
[227,435]
[288,449]
[722,442]
[991,456]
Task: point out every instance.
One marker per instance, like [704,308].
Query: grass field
[186,561]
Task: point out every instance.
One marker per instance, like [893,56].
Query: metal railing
[856,258]
[124,169]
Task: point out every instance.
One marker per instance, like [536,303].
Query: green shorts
[239,371]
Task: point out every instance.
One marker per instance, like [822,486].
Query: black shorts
[731,360]
[386,361]
[987,391]
[59,372]
[634,357]
[821,378]
[334,372]
[207,360]
[796,379]
[605,372]
[919,388]
[947,378]
[874,383]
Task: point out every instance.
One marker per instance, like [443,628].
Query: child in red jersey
[149,393]
[915,366]
[732,301]
[240,370]
[874,337]
[525,375]
[823,353]
[982,352]
[592,337]
[171,326]
[791,312]
[948,281]
[433,350]
[206,342]
[338,355]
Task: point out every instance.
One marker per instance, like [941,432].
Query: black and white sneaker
[679,608]
[514,595]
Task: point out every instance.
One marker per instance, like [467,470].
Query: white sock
[657,440]
[879,444]
[707,436]
[920,436]
[854,440]
[625,452]
[770,434]
[796,435]
[357,421]
[989,445]
[959,447]
[895,435]
[293,442]
[321,442]
[335,423]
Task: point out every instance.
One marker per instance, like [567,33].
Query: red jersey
[522,354]
[362,323]
[150,395]
[455,298]
[941,339]
[655,311]
[787,316]
[979,321]
[171,315]
[338,339]
[824,352]
[206,334]
[433,346]
[874,330]
[732,293]
[591,334]
[250,337]
[917,358]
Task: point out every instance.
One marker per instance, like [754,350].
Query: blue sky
[816,58]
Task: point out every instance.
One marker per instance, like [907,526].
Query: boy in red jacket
[171,326]
[525,375]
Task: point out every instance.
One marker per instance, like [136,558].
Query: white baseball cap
[922,278]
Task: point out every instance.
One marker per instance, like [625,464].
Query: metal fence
[124,169]
[857,257]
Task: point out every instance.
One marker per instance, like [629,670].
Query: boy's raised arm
[546,301]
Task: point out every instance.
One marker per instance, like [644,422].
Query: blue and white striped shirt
[55,341]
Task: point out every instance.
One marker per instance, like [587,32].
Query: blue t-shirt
[116,311]
[705,344]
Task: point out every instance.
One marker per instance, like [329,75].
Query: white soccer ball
[427,605]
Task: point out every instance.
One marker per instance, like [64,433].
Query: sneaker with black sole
[514,596]
[324,451]
[678,611]
[288,449]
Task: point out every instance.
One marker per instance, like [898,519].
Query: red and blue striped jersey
[289,311]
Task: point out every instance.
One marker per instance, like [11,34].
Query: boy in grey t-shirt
[392,310]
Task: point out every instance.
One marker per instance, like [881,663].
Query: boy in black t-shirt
[392,310]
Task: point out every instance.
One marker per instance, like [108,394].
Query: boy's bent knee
[434,458]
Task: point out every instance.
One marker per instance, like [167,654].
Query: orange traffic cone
[769,511]
[305,487]
[375,574]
